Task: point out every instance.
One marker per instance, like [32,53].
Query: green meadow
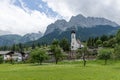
[72,70]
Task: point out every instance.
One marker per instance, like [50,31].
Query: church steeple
[73,31]
[75,44]
[73,40]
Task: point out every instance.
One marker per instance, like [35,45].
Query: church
[75,43]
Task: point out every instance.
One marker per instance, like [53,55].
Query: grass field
[63,71]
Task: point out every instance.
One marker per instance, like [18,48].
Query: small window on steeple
[73,36]
[72,47]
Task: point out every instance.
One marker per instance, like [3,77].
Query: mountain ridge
[10,39]
[85,27]
[79,20]
[82,33]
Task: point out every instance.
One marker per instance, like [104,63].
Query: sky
[27,16]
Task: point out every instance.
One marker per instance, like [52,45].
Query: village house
[17,56]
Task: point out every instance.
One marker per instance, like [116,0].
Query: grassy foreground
[62,71]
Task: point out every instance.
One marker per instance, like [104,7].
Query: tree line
[108,47]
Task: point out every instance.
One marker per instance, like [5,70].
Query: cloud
[109,9]
[22,21]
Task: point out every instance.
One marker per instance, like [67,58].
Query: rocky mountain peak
[101,21]
[78,17]
[11,39]
[59,24]
[79,21]
[31,37]
[60,21]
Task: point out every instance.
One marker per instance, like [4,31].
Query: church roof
[5,52]
[78,41]
[73,31]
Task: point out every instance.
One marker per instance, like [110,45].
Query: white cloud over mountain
[109,9]
[22,20]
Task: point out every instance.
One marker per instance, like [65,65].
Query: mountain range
[15,39]
[84,27]
[79,21]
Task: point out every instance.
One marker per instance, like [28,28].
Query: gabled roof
[4,52]
[78,41]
